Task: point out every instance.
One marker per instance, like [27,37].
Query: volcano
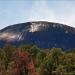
[43,34]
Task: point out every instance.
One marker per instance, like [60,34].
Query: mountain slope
[43,34]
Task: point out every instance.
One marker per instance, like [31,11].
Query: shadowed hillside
[43,34]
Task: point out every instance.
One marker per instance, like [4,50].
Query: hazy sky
[19,11]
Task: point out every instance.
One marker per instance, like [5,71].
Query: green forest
[31,60]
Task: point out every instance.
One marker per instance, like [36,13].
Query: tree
[9,51]
[24,63]
[53,60]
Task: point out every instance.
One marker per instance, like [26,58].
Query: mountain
[43,34]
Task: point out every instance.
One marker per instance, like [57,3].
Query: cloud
[37,10]
[41,12]
[63,12]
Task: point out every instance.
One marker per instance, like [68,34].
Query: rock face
[43,34]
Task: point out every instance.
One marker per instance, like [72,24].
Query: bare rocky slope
[43,34]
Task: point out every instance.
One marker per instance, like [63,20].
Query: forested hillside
[31,60]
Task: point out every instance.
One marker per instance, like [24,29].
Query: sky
[20,11]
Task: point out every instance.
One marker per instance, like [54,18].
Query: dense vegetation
[31,60]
